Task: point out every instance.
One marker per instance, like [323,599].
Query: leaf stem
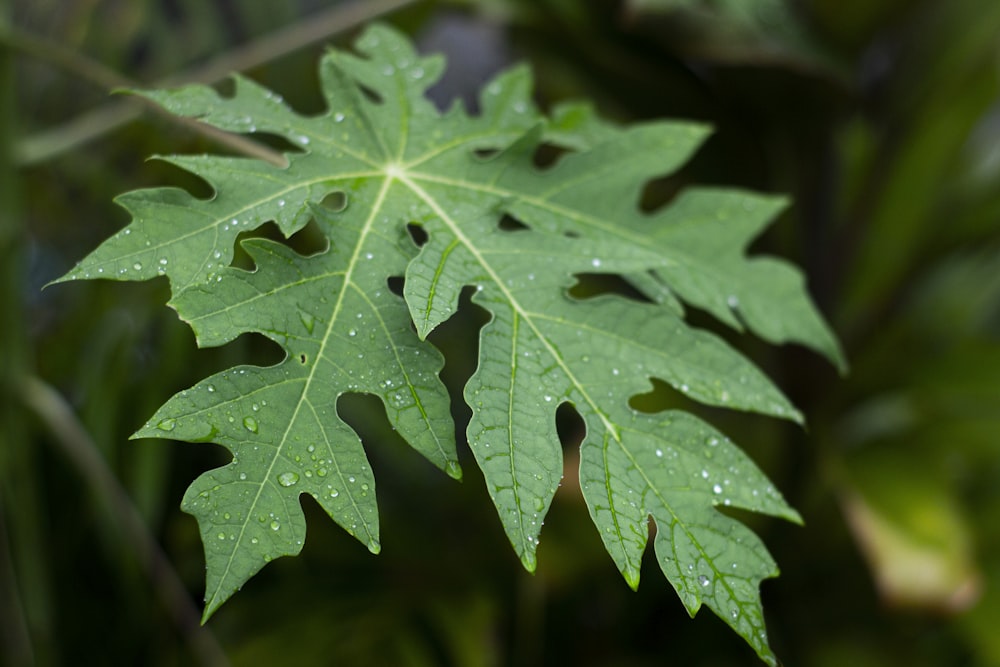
[76,444]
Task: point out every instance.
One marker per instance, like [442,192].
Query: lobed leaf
[399,163]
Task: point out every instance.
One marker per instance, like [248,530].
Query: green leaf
[399,163]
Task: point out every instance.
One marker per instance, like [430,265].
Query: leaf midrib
[303,396]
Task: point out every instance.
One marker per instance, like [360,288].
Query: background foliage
[879,118]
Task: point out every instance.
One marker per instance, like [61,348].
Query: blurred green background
[880,118]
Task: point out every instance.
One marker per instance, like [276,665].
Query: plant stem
[77,447]
[92,125]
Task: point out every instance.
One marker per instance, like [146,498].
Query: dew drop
[338,117]
[250,423]
[275,525]
[716,489]
[703,580]
[137,266]
[288,478]
[659,452]
[167,424]
[210,388]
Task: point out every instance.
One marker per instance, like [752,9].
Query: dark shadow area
[511,224]
[593,285]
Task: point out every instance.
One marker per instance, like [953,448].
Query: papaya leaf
[398,163]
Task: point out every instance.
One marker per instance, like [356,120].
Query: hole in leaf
[590,285]
[335,201]
[662,397]
[370,94]
[395,284]
[417,233]
[546,155]
[485,154]
[570,426]
[303,359]
[510,224]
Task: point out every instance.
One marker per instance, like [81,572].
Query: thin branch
[72,61]
[91,125]
[77,446]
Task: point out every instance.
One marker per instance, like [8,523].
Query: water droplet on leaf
[288,478]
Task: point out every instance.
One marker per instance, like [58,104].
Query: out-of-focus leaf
[915,539]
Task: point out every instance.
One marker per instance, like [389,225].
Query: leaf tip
[839,361]
[212,605]
[454,470]
[375,546]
